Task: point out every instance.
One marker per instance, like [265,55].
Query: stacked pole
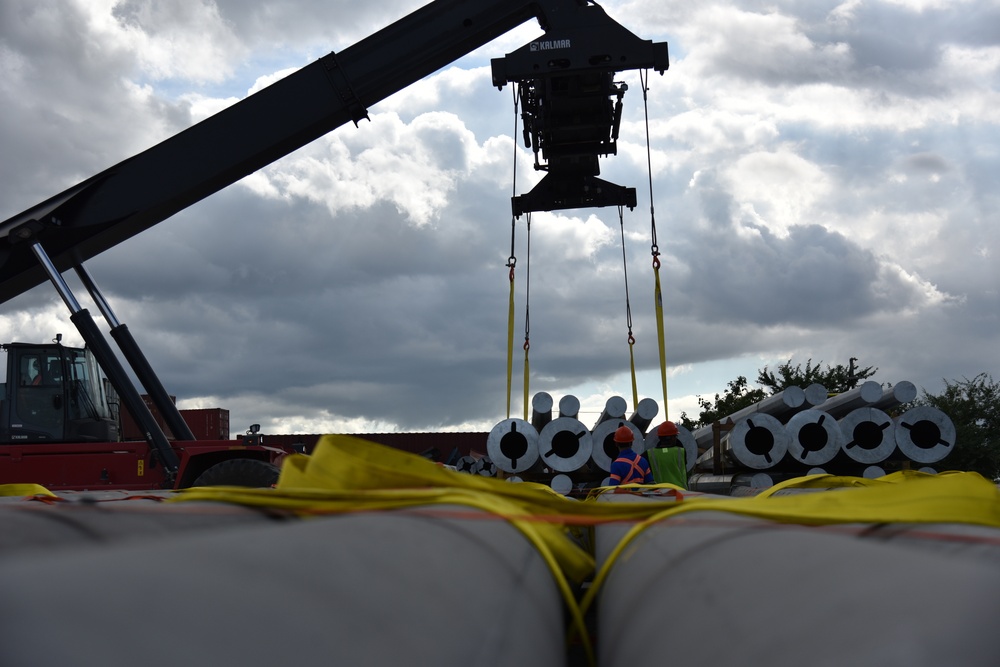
[798,431]
[563,452]
[852,433]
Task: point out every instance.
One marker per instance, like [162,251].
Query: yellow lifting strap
[346,474]
[655,251]
[658,298]
[527,374]
[635,387]
[527,313]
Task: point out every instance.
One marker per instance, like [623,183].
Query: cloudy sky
[824,177]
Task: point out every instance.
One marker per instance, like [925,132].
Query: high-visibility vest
[669,465]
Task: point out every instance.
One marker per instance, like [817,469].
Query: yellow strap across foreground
[350,474]
[346,474]
[24,490]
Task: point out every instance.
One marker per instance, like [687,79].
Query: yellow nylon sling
[346,474]
[655,251]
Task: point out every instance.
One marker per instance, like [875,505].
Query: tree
[737,396]
[837,379]
[974,407]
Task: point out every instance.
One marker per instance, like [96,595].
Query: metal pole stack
[798,431]
[852,433]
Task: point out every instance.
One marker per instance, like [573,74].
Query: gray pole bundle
[706,482]
[565,444]
[541,410]
[816,395]
[814,437]
[562,484]
[485,467]
[873,472]
[869,435]
[605,451]
[901,392]
[841,404]
[644,414]
[780,403]
[569,406]
[925,434]
[465,464]
[614,409]
[759,441]
[512,445]
[757,480]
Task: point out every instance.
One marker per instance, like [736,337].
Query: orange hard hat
[623,434]
[666,429]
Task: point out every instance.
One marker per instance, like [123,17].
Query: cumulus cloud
[173,39]
[823,177]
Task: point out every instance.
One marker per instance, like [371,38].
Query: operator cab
[55,393]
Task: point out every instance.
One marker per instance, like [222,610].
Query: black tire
[239,472]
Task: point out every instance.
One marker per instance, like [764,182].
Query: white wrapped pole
[703,561]
[418,572]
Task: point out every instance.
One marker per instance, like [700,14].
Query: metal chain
[527,285]
[628,305]
[654,249]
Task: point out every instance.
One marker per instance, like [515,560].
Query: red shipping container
[208,423]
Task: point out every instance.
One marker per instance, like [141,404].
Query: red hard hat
[666,429]
[623,434]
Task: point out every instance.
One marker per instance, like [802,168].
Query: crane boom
[143,190]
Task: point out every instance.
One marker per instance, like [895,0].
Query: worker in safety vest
[629,467]
[667,458]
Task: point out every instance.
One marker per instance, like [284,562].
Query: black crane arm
[144,190]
